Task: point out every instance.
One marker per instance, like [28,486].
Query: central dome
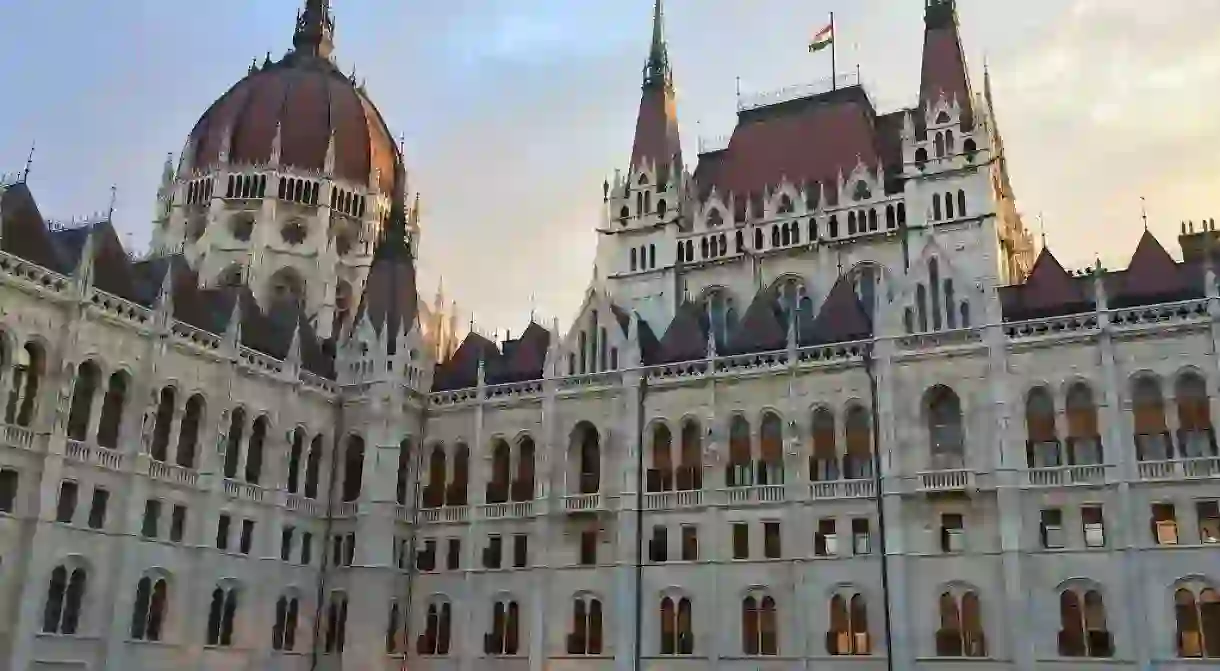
[308,102]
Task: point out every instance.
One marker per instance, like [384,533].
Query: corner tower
[644,207]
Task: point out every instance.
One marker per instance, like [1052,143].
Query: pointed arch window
[824,456]
[1082,630]
[148,612]
[188,431]
[660,477]
[946,442]
[1042,448]
[438,621]
[936,207]
[65,597]
[759,628]
[25,378]
[501,458]
[456,492]
[523,487]
[961,203]
[353,468]
[677,632]
[113,403]
[771,450]
[504,637]
[721,317]
[961,626]
[83,392]
[1151,434]
[1084,444]
[295,449]
[284,632]
[1196,437]
[313,467]
[921,307]
[738,469]
[254,450]
[848,633]
[1197,616]
[434,492]
[222,613]
[237,425]
[690,469]
[934,288]
[949,213]
[858,462]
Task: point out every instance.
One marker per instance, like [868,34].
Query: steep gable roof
[24,232]
[686,337]
[760,328]
[841,318]
[1151,276]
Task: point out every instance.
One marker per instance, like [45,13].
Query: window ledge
[68,637]
[963,660]
[157,644]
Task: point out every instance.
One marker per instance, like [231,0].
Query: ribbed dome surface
[309,98]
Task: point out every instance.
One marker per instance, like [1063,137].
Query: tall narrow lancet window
[295,449]
[934,285]
[163,422]
[25,379]
[113,404]
[403,480]
[1151,433]
[858,462]
[690,469]
[771,449]
[501,464]
[457,492]
[1042,448]
[353,468]
[661,476]
[237,426]
[84,392]
[254,449]
[739,471]
[313,467]
[1196,438]
[824,456]
[946,442]
[523,486]
[1084,444]
[434,492]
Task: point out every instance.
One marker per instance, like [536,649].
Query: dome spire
[315,29]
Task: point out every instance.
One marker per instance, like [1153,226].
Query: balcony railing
[1065,476]
[83,452]
[17,436]
[244,490]
[582,503]
[952,480]
[173,474]
[1179,469]
[842,489]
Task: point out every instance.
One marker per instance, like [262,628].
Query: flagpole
[834,78]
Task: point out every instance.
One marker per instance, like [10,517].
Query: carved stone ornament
[711,447]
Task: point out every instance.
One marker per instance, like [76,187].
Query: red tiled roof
[812,139]
[656,129]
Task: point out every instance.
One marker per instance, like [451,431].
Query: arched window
[438,621]
[788,294]
[434,492]
[785,235]
[934,290]
[295,450]
[1083,631]
[237,425]
[704,250]
[771,449]
[221,615]
[632,253]
[949,205]
[946,442]
[313,467]
[936,207]
[284,632]
[848,633]
[586,636]
[950,305]
[1151,434]
[254,450]
[866,279]
[336,623]
[112,410]
[353,468]
[23,389]
[504,636]
[872,219]
[677,631]
[523,488]
[1197,616]
[785,205]
[775,236]
[724,244]
[758,238]
[961,626]
[921,157]
[940,145]
[148,612]
[759,628]
[65,596]
[403,479]
[851,223]
[501,464]
[921,306]
[1042,448]
[858,462]
[83,393]
[740,241]
[1196,438]
[889,216]
[824,456]
[588,459]
[949,142]
[456,492]
[961,203]
[738,472]
[690,470]
[969,148]
[661,475]
[1084,440]
[163,422]
[714,218]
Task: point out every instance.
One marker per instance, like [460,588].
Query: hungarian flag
[822,39]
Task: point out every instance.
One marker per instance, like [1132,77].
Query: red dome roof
[309,98]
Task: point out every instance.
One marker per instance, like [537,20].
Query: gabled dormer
[597,339]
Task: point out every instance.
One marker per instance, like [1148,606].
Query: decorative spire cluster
[656,70]
[315,30]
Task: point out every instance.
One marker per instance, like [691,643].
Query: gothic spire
[315,29]
[656,131]
[656,71]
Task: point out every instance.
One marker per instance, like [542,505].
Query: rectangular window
[1052,528]
[588,547]
[349,549]
[177,524]
[1094,526]
[826,538]
[453,554]
[152,519]
[492,554]
[952,533]
[336,550]
[1164,524]
[658,545]
[8,490]
[306,548]
[97,508]
[690,543]
[1209,521]
[520,550]
[861,538]
[222,532]
[286,543]
[65,510]
[772,541]
[741,540]
[247,536]
[425,559]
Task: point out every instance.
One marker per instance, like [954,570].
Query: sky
[515,111]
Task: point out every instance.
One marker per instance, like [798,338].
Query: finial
[1042,229]
[531,308]
[114,195]
[314,32]
[1144,212]
[29,162]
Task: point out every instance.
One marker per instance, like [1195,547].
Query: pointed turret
[315,30]
[944,65]
[656,128]
[390,301]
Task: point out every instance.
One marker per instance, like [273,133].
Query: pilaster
[627,547]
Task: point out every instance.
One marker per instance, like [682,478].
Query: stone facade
[843,421]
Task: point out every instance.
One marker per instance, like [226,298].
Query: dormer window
[862,192]
[785,205]
[661,207]
[714,218]
[624,214]
[643,180]
[942,118]
[921,157]
[969,148]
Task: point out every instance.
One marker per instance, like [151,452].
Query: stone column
[628,541]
